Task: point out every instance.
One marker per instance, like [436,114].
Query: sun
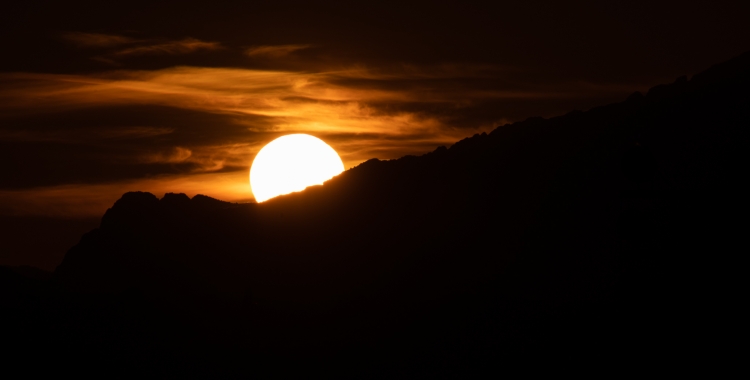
[291,163]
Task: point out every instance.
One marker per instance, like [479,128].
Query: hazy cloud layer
[112,49]
[276,51]
[126,129]
[184,46]
[70,144]
[96,40]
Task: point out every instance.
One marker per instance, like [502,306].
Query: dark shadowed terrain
[601,239]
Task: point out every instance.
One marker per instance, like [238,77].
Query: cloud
[197,129]
[97,40]
[184,46]
[205,159]
[73,135]
[112,49]
[173,155]
[274,51]
[262,104]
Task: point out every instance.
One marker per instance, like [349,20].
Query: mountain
[597,238]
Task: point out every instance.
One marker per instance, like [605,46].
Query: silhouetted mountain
[603,237]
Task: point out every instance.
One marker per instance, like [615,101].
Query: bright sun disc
[291,163]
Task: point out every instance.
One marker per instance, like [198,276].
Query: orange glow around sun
[291,163]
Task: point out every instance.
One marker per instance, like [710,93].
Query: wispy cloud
[97,40]
[324,103]
[173,155]
[83,135]
[274,51]
[197,129]
[184,46]
[204,159]
[112,48]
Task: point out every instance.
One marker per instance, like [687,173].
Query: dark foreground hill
[598,238]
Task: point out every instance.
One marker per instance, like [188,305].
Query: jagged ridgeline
[601,234]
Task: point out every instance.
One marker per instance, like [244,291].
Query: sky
[101,98]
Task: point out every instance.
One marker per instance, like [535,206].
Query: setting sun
[291,163]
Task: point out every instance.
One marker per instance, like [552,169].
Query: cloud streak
[269,103]
[96,40]
[83,135]
[184,46]
[274,51]
[112,49]
[299,102]
[185,128]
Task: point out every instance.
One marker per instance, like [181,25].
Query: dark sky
[100,98]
